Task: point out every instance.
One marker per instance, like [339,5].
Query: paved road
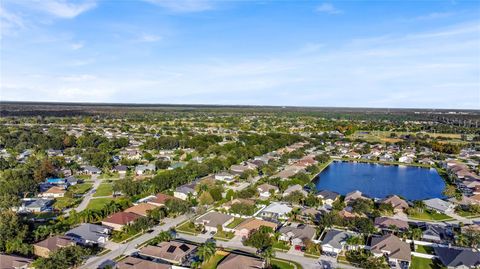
[87,197]
[235,243]
[130,247]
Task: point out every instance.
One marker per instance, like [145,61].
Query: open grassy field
[384,136]
[105,189]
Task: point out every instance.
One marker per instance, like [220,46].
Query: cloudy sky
[303,53]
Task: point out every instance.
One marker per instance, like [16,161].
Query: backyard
[422,263]
[429,215]
[105,189]
[213,261]
[235,223]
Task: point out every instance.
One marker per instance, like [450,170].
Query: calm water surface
[376,180]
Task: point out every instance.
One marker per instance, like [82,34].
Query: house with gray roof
[334,240]
[396,251]
[439,205]
[213,219]
[296,233]
[34,205]
[141,169]
[294,188]
[328,197]
[458,258]
[184,191]
[89,234]
[91,170]
[276,210]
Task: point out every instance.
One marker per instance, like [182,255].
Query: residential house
[118,220]
[248,225]
[276,210]
[386,223]
[15,262]
[439,205]
[120,169]
[141,209]
[334,241]
[434,233]
[212,220]
[136,263]
[91,170]
[173,252]
[328,197]
[353,155]
[229,204]
[184,191]
[308,214]
[405,159]
[396,251]
[87,234]
[354,195]
[294,188]
[159,199]
[265,190]
[398,204]
[34,205]
[142,169]
[224,176]
[237,261]
[297,234]
[458,258]
[53,192]
[51,244]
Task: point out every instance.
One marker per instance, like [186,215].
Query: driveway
[130,247]
[87,197]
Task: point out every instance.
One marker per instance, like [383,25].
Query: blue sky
[422,54]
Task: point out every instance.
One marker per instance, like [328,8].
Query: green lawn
[80,188]
[235,223]
[224,236]
[282,264]
[429,215]
[425,249]
[421,263]
[281,245]
[187,228]
[65,202]
[97,204]
[105,189]
[213,261]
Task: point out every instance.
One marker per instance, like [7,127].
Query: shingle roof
[12,262]
[172,251]
[136,263]
[335,238]
[55,242]
[122,218]
[458,257]
[212,219]
[392,244]
[235,261]
[87,231]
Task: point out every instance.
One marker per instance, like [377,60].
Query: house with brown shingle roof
[395,250]
[118,220]
[141,209]
[248,225]
[14,262]
[386,223]
[51,244]
[173,252]
[160,199]
[136,263]
[398,204]
[53,192]
[236,261]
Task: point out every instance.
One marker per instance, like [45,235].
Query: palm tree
[206,250]
[268,253]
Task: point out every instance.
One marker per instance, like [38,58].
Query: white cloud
[149,38]
[9,21]
[328,8]
[434,16]
[77,45]
[62,8]
[184,6]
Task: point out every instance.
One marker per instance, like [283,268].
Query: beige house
[236,261]
[244,228]
[173,252]
[51,244]
[398,204]
[53,192]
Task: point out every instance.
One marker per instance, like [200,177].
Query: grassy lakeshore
[385,163]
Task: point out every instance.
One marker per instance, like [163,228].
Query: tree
[63,258]
[206,250]
[206,198]
[12,233]
[267,254]
[295,197]
[163,236]
[260,238]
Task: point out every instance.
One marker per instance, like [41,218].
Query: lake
[379,181]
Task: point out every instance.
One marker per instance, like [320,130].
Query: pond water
[379,181]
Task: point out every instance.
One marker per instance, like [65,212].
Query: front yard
[425,249]
[215,260]
[235,223]
[81,188]
[429,215]
[281,245]
[224,236]
[98,203]
[421,263]
[105,189]
[283,264]
[188,227]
